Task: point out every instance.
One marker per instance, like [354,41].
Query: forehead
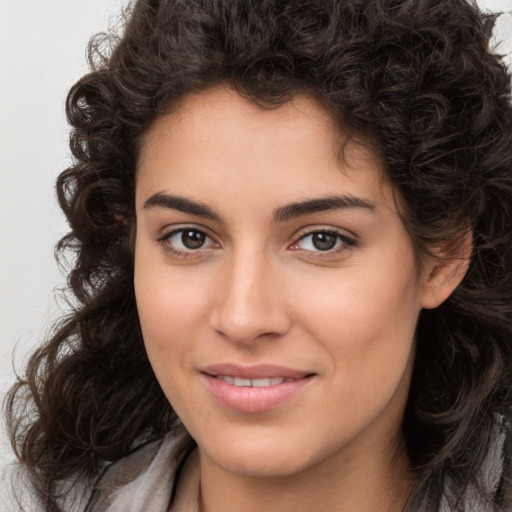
[219,139]
[235,118]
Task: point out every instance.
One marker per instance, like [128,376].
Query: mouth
[253,383]
[254,389]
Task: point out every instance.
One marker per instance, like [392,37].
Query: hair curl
[415,78]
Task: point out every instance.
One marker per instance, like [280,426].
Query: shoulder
[491,489]
[144,479]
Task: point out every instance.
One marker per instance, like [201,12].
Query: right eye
[185,241]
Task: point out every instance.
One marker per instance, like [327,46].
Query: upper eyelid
[342,236]
[174,228]
[322,228]
[345,241]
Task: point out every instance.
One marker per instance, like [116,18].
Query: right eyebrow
[182,204]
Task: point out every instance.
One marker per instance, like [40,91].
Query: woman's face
[276,285]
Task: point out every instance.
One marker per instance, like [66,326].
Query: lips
[254,383]
[254,389]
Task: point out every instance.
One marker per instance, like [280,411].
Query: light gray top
[146,480]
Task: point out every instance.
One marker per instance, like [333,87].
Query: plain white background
[42,53]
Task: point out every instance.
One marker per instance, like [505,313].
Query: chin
[262,465]
[266,457]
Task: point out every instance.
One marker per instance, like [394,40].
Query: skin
[259,291]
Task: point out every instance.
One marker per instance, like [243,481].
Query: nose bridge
[248,305]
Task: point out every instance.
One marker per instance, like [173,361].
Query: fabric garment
[146,480]
[159,477]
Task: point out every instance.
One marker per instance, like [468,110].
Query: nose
[250,304]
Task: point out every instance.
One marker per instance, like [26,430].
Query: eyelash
[343,242]
[165,239]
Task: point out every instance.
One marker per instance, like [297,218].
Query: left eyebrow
[321,204]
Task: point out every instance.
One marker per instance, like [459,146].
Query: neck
[378,482]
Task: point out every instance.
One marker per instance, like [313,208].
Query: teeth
[261,383]
[256,383]
[242,382]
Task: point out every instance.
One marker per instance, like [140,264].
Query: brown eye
[186,240]
[324,241]
[192,239]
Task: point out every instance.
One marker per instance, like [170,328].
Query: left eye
[322,241]
[187,240]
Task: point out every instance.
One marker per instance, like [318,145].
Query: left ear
[445,269]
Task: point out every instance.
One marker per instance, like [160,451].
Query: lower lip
[254,399]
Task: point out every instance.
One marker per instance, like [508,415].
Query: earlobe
[445,271]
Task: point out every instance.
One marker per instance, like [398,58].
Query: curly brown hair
[414,77]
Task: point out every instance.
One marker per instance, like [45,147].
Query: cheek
[172,307]
[173,310]
[170,315]
[362,307]
[366,318]
[366,328]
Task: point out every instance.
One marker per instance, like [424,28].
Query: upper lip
[261,371]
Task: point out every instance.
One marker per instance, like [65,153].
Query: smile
[255,389]
[253,383]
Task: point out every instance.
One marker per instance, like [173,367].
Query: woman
[292,284]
